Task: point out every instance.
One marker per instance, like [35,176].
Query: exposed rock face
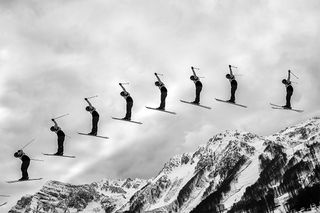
[233,172]
[103,196]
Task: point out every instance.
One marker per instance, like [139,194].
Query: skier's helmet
[18,154]
[228,76]
[123,93]
[192,78]
[157,83]
[88,108]
[284,81]
[52,128]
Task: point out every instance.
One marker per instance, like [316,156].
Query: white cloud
[53,54]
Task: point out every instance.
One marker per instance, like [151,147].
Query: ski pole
[124,83]
[293,74]
[233,66]
[92,97]
[195,68]
[28,143]
[61,116]
[36,159]
[159,74]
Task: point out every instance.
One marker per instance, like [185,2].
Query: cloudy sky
[55,53]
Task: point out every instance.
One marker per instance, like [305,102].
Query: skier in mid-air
[234,85]
[25,164]
[61,137]
[95,118]
[163,91]
[129,100]
[198,85]
[289,89]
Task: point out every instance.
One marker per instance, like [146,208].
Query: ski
[16,181]
[98,136]
[231,103]
[121,119]
[66,156]
[161,110]
[295,110]
[2,204]
[275,106]
[188,102]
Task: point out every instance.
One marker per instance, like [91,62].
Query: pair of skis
[31,179]
[71,156]
[207,107]
[275,106]
[137,122]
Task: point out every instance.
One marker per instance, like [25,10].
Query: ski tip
[67,156]
[18,181]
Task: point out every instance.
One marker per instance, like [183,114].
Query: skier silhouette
[25,164]
[234,85]
[289,89]
[163,91]
[129,100]
[95,118]
[198,85]
[61,137]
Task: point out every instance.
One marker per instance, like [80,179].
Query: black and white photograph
[144,106]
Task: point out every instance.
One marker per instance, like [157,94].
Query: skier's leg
[95,120]
[24,170]
[129,108]
[198,91]
[60,145]
[288,99]
[163,100]
[233,91]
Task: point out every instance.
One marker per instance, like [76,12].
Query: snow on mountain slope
[232,172]
[103,196]
[289,171]
[186,179]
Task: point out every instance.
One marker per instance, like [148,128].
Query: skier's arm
[157,77]
[230,71]
[55,123]
[86,99]
[122,87]
[194,73]
[289,75]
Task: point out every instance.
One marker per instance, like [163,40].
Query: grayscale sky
[55,53]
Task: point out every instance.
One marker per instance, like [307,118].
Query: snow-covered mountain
[103,196]
[233,172]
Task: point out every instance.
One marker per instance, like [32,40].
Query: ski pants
[288,98]
[24,168]
[95,120]
[233,92]
[163,99]
[198,90]
[60,144]
[129,108]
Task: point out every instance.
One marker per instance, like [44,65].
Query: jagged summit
[102,196]
[307,131]
[233,172]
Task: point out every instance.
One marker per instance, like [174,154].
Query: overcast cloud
[55,53]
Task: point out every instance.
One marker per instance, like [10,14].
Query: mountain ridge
[233,172]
